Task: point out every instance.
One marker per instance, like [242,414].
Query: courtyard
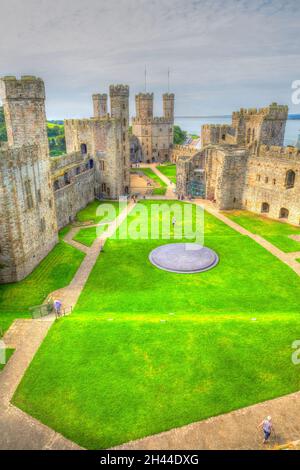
[146,350]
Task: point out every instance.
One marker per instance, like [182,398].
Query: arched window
[56,185]
[290,179]
[66,178]
[91,163]
[248,136]
[83,149]
[284,213]
[265,207]
[223,137]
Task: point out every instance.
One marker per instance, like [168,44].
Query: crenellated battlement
[144,96]
[28,87]
[273,111]
[271,151]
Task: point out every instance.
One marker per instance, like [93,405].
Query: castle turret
[144,106]
[100,105]
[24,110]
[119,107]
[168,106]
[28,221]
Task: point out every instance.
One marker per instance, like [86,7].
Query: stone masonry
[152,139]
[245,166]
[39,194]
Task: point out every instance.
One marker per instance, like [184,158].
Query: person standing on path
[266,425]
[173,221]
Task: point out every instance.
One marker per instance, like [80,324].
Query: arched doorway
[284,213]
[265,207]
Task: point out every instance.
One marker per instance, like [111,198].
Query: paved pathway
[170,186]
[18,430]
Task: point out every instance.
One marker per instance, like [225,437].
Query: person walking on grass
[266,425]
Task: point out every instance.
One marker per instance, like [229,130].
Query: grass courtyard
[169,171]
[274,231]
[146,350]
[54,272]
[87,236]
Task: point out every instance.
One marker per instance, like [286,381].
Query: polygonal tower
[168,106]
[119,108]
[28,220]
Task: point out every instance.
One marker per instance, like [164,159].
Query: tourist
[266,426]
[57,306]
[174,221]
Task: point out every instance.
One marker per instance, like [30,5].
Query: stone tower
[119,108]
[24,110]
[168,106]
[27,209]
[144,106]
[100,105]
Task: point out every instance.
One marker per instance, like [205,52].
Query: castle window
[66,178]
[91,163]
[274,181]
[290,179]
[265,207]
[123,106]
[124,122]
[50,203]
[83,149]
[223,136]
[78,170]
[124,136]
[108,191]
[266,179]
[39,195]
[103,187]
[102,165]
[284,213]
[56,185]
[29,200]
[248,136]
[257,177]
[253,135]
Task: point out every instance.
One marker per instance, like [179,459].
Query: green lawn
[88,235]
[111,209]
[274,231]
[54,272]
[146,350]
[8,354]
[159,191]
[169,171]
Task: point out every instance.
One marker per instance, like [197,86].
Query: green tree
[179,135]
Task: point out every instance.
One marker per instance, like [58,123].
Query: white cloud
[222,54]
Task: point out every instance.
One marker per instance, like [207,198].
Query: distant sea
[193,125]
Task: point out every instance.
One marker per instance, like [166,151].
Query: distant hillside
[55,130]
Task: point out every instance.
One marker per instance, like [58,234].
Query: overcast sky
[222,54]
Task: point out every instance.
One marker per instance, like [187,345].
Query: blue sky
[222,55]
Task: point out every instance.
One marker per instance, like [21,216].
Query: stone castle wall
[27,211]
[155,134]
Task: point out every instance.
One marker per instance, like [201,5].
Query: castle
[39,194]
[244,165]
[152,139]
